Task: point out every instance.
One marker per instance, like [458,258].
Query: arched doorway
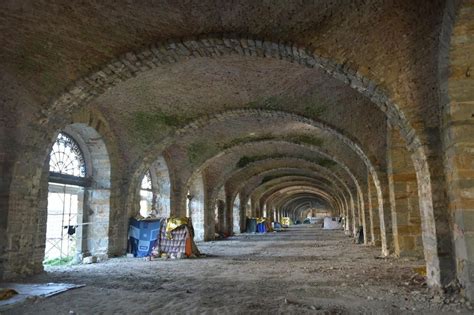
[67,180]
[78,196]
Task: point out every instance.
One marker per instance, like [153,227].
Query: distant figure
[360,235]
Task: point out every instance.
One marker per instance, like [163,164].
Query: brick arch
[282,197]
[196,125]
[295,182]
[193,128]
[287,116]
[348,172]
[259,203]
[92,133]
[299,204]
[260,192]
[133,63]
[298,163]
[98,122]
[311,148]
[330,196]
[285,195]
[289,196]
[302,206]
[318,171]
[252,183]
[346,202]
[352,201]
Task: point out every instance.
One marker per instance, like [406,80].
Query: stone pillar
[220,216]
[385,219]
[373,213]
[245,211]
[364,217]
[458,138]
[236,215]
[354,219]
[6,167]
[403,189]
[178,199]
[368,228]
[196,208]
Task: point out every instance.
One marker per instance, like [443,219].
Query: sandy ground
[302,270]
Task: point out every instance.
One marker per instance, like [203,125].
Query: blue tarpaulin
[142,236]
[261,227]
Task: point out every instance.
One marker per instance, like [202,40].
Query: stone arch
[132,63]
[303,204]
[353,178]
[93,216]
[94,135]
[161,186]
[96,216]
[195,126]
[284,195]
[260,191]
[236,114]
[299,182]
[253,185]
[296,184]
[300,163]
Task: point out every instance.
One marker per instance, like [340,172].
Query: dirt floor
[302,270]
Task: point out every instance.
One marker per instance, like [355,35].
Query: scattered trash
[89,260]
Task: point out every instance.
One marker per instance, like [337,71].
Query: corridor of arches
[220,112]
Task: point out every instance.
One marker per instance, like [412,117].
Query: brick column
[404,205]
[375,238]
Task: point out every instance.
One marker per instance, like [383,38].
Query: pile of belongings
[332,223]
[176,239]
[258,225]
[5,294]
[261,226]
[166,237]
[277,226]
[286,221]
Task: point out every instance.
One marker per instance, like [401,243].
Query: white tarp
[332,223]
[26,291]
[316,220]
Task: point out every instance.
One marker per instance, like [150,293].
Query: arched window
[66,157]
[78,195]
[67,179]
[146,195]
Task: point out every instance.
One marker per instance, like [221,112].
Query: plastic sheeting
[285,221]
[26,291]
[142,235]
[332,223]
